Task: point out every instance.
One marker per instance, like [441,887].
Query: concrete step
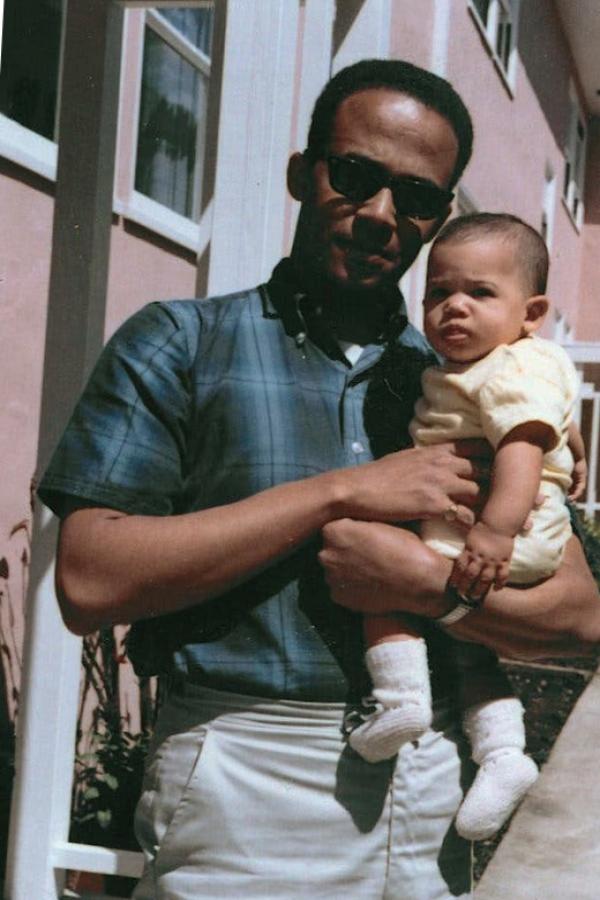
[552,848]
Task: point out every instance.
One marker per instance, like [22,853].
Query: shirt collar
[283,298]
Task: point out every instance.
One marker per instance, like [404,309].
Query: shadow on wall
[546,63]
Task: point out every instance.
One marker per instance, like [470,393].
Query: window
[497,20]
[29,77]
[30,63]
[548,204]
[575,162]
[173,105]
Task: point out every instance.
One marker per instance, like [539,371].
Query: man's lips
[364,253]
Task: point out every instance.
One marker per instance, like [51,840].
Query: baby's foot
[502,781]
[385,731]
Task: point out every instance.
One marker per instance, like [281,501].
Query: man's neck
[360,317]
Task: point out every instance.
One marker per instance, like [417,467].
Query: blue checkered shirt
[194,404]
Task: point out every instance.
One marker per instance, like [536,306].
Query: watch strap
[462,606]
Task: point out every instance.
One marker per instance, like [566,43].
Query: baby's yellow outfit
[530,380]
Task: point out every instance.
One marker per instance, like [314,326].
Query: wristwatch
[462,606]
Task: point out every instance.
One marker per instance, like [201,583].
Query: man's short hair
[531,256]
[397,75]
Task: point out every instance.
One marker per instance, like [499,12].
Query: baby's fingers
[501,575]
[484,582]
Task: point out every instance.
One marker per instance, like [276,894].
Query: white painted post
[74,335]
[46,733]
[367,36]
[253,142]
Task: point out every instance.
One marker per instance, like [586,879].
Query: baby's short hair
[532,257]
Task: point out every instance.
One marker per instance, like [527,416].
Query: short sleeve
[125,444]
[532,381]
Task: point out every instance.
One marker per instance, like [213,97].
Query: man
[216,442]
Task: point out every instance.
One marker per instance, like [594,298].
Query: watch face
[462,599]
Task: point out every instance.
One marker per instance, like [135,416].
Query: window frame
[491,31]
[548,205]
[24,146]
[134,205]
[574,152]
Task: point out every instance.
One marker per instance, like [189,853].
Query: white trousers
[251,798]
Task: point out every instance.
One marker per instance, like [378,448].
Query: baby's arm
[516,473]
[579,474]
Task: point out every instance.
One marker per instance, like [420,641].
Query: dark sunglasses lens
[352,179]
[358,181]
[421,201]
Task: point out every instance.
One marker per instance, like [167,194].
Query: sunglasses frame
[393,182]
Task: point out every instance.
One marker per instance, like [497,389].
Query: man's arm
[372,567]
[114,567]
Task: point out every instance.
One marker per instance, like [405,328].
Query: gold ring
[451,513]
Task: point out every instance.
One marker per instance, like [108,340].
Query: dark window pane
[30,56]
[194,24]
[173,101]
[482,7]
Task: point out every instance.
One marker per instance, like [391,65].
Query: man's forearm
[376,568]
[558,617]
[114,567]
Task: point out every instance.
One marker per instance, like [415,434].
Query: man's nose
[379,210]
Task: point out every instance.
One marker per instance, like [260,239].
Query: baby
[484,302]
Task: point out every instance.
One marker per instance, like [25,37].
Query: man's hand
[483,563]
[417,484]
[377,568]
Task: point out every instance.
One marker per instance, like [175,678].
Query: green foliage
[589,534]
[109,762]
[108,781]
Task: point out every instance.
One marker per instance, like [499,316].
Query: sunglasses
[360,179]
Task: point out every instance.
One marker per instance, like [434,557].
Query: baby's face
[475,297]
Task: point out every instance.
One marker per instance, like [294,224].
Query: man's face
[365,245]
[475,298]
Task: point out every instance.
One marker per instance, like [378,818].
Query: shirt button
[357,447]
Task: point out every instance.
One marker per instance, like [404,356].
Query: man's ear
[299,179]
[435,226]
[535,313]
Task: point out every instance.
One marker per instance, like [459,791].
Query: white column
[74,333]
[440,36]
[316,61]
[368,35]
[253,142]
[46,733]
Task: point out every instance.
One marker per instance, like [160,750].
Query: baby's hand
[579,479]
[484,562]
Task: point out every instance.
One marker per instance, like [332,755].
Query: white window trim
[22,145]
[137,207]
[549,203]
[576,116]
[38,154]
[508,75]
[27,148]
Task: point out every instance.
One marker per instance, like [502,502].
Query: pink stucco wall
[588,319]
[517,135]
[25,224]
[144,267]
[411,30]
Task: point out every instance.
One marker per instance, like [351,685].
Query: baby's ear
[535,313]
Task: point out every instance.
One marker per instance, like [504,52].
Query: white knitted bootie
[400,677]
[497,736]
